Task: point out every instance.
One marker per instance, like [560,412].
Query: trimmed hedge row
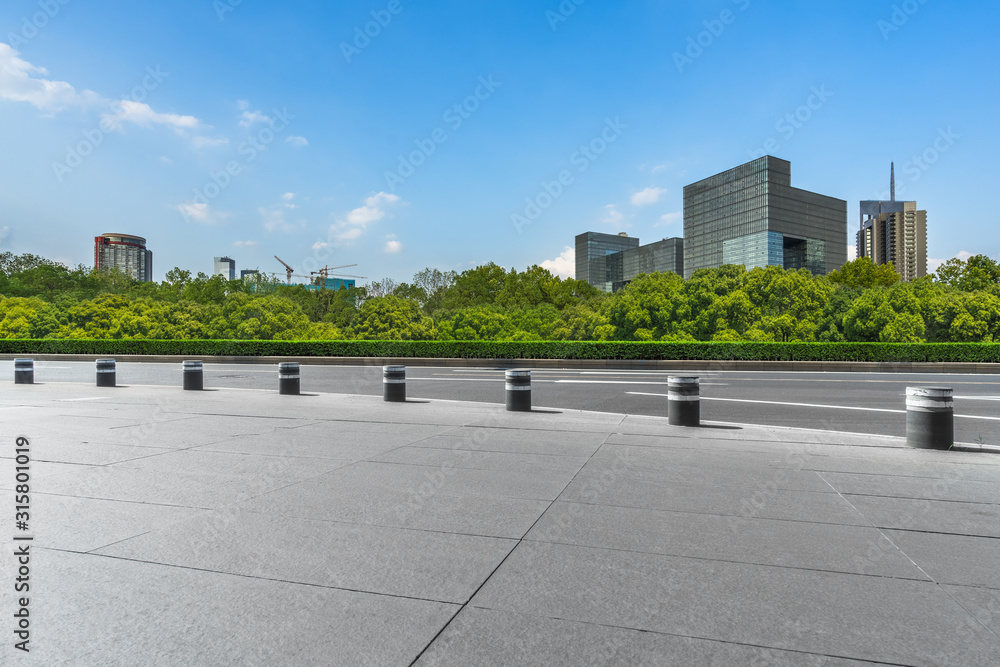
[743,351]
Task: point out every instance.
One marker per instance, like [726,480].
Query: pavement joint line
[941,532]
[714,640]
[740,562]
[928,500]
[936,583]
[504,559]
[248,576]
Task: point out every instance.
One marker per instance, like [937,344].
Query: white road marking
[809,405]
[89,398]
[662,383]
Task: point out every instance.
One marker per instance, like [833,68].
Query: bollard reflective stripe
[105,365]
[24,364]
[929,398]
[288,370]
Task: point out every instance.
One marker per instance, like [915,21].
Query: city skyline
[452,136]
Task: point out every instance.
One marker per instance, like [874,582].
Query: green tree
[863,273]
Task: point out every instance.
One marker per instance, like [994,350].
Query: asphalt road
[847,402]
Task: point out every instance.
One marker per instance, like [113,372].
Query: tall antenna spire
[892,183]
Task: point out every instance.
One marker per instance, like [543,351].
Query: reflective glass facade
[737,213]
[225,266]
[592,249]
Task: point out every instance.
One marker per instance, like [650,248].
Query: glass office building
[609,262]
[592,251]
[751,215]
[225,266]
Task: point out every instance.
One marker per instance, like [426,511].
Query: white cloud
[4,234]
[200,213]
[273,219]
[242,105]
[669,219]
[18,84]
[205,142]
[245,244]
[353,225]
[298,142]
[658,168]
[392,246]
[165,160]
[647,196]
[614,218]
[250,118]
[288,196]
[143,115]
[320,245]
[935,264]
[564,265]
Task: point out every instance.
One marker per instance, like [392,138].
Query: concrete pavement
[244,527]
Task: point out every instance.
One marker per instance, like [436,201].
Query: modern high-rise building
[248,272]
[225,266]
[125,252]
[751,215]
[609,262]
[894,232]
[592,249]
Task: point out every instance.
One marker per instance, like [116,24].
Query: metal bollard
[930,417]
[106,373]
[518,383]
[683,401]
[288,378]
[394,384]
[194,376]
[24,371]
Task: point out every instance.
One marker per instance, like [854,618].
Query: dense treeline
[861,302]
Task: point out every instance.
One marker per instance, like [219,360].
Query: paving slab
[128,613]
[443,567]
[490,637]
[83,524]
[917,488]
[855,616]
[938,516]
[796,544]
[360,499]
[952,559]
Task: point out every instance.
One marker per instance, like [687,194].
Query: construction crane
[289,270]
[326,270]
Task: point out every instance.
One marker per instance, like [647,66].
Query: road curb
[586,364]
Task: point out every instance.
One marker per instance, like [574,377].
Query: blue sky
[457,133]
